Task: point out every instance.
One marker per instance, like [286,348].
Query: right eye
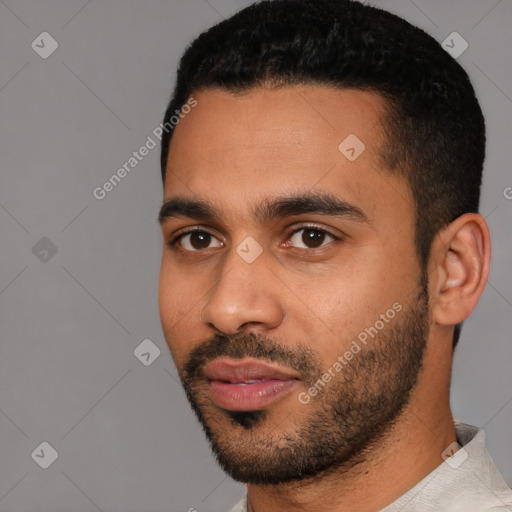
[194,240]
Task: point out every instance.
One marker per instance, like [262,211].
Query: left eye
[311,238]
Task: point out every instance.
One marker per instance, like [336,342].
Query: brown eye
[197,240]
[311,238]
[200,240]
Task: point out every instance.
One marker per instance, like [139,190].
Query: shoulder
[467,481]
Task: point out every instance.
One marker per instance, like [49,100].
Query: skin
[238,150]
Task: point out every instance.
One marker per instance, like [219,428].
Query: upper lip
[244,370]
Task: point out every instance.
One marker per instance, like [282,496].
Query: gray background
[70,321]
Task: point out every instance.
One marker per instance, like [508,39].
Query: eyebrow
[267,210]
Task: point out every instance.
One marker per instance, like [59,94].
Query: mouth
[247,384]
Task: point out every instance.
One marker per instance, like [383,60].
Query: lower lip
[248,397]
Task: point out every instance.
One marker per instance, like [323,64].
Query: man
[322,248]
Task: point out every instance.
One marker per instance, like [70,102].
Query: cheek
[176,306]
[352,299]
[176,290]
[341,312]
[166,296]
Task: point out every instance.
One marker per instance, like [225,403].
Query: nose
[245,297]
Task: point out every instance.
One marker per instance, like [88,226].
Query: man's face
[293,305]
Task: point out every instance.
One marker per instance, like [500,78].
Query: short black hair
[433,128]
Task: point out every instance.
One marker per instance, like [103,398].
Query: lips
[245,370]
[244,385]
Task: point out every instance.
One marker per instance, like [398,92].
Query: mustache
[239,346]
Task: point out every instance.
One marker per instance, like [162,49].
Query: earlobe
[463,253]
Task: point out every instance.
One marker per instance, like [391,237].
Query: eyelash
[176,238]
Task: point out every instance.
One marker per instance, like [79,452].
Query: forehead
[268,142]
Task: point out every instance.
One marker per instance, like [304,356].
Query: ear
[461,255]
